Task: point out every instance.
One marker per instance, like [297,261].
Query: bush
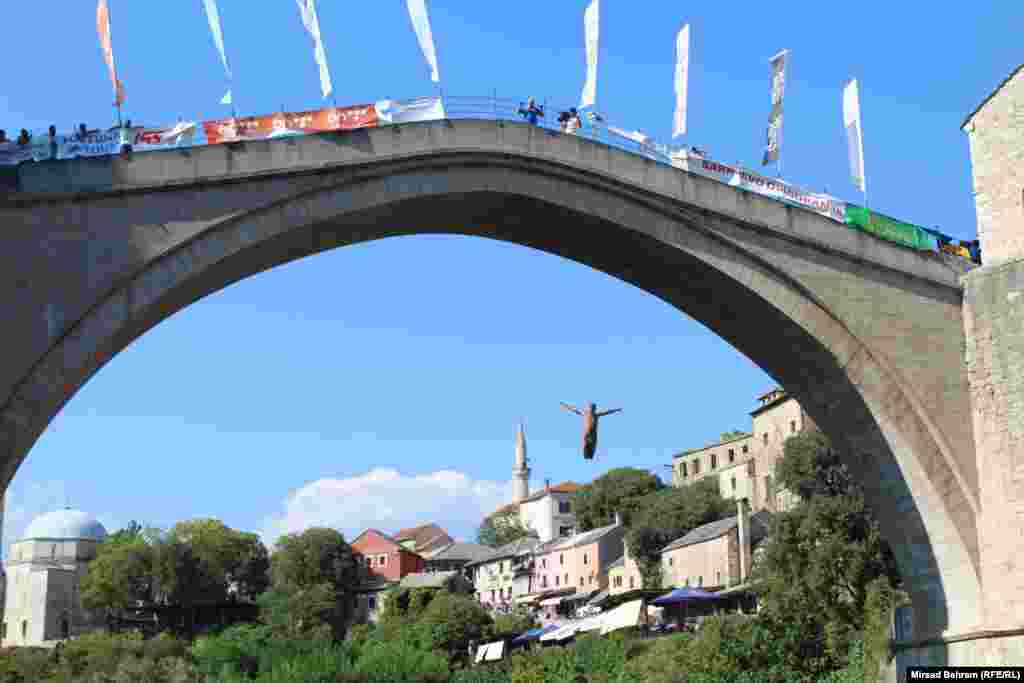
[399,661]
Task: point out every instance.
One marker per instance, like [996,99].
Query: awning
[742,588]
[623,616]
[495,651]
[599,598]
[680,595]
[564,632]
[552,601]
[533,634]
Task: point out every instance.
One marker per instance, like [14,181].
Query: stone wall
[996,133]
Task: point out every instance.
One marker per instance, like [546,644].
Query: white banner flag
[591,21]
[773,143]
[103,29]
[682,72]
[421,24]
[854,135]
[307,9]
[213,16]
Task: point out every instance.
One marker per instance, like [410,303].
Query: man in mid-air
[590,418]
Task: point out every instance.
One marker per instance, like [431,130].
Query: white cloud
[387,500]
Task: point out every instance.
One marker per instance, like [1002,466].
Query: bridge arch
[189,239]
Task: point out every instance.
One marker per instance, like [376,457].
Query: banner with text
[822,204]
[290,123]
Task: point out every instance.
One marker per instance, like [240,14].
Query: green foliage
[617,490]
[398,661]
[511,625]
[314,576]
[667,514]
[236,649]
[810,466]
[121,573]
[730,435]
[454,621]
[501,529]
[854,671]
[878,609]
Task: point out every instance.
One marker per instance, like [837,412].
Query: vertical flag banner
[103,30]
[854,134]
[774,134]
[213,16]
[307,9]
[591,21]
[682,73]
[421,24]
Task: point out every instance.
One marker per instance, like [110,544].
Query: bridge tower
[994,354]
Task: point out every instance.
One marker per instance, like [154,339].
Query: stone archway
[769,295]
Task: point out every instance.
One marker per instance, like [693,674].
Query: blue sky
[381,384]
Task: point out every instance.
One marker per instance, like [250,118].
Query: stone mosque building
[42,600]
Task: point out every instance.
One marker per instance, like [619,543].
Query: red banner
[290,123]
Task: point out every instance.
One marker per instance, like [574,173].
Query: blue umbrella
[533,634]
[680,595]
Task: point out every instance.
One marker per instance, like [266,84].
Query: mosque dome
[66,525]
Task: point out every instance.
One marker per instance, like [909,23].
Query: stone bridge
[867,335]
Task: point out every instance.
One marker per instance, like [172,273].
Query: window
[766,438]
[682,470]
[584,558]
[24,629]
[544,563]
[732,454]
[543,582]
[631,582]
[718,578]
[751,468]
[746,448]
[792,426]
[369,561]
[591,578]
[382,560]
[734,483]
[561,558]
[566,579]
[670,561]
[700,580]
[714,460]
[492,595]
[371,602]
[556,580]
[768,485]
[696,467]
[581,582]
[563,507]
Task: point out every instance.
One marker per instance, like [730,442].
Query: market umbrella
[683,596]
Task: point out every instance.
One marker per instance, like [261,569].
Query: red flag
[103,29]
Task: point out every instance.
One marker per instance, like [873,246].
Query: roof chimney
[743,531]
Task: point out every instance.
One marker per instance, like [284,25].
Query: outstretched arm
[609,412]
[571,409]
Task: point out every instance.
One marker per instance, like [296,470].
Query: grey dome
[66,525]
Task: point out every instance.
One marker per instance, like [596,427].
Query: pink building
[576,566]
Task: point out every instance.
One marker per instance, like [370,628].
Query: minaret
[520,470]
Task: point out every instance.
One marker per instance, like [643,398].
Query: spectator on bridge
[53,141]
[24,138]
[532,112]
[574,123]
[974,247]
[3,136]
[83,132]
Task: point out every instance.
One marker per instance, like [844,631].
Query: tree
[734,434]
[821,557]
[663,516]
[454,621]
[234,563]
[617,490]
[811,467]
[314,576]
[500,529]
[121,575]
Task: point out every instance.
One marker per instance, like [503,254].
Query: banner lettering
[290,123]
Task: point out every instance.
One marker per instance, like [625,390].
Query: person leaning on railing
[24,138]
[532,112]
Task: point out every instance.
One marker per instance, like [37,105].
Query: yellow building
[745,464]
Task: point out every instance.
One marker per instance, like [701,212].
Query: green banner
[888,228]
